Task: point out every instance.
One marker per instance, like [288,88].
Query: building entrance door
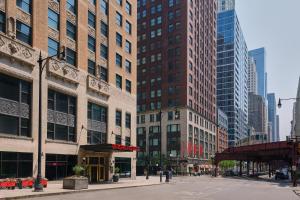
[94,174]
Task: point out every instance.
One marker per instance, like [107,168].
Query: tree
[227,164]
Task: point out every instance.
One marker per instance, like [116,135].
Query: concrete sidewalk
[55,188]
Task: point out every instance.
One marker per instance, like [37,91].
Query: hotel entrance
[96,168]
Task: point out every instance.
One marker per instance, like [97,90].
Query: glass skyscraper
[272,115]
[232,72]
[259,57]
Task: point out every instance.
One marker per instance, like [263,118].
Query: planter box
[8,184]
[75,183]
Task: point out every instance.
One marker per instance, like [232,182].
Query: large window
[98,115]
[128,27]
[53,47]
[119,81]
[25,5]
[119,39]
[128,86]
[92,19]
[128,66]
[118,118]
[104,6]
[15,92]
[2,22]
[91,43]
[91,67]
[128,120]
[127,141]
[24,33]
[128,46]
[53,19]
[71,30]
[13,164]
[128,8]
[118,139]
[104,29]
[119,19]
[62,128]
[71,5]
[71,57]
[59,166]
[104,51]
[118,60]
[103,74]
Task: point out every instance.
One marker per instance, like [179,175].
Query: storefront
[99,161]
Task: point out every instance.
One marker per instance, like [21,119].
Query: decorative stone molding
[103,40]
[63,70]
[103,62]
[71,17]
[13,108]
[92,8]
[91,55]
[71,44]
[11,27]
[97,126]
[53,5]
[53,33]
[91,31]
[24,17]
[17,50]
[61,118]
[2,5]
[97,85]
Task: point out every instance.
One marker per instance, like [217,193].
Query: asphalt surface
[195,188]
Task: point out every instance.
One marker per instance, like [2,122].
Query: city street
[194,188]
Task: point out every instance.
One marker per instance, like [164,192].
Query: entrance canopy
[108,148]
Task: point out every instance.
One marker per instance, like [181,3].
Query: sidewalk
[55,188]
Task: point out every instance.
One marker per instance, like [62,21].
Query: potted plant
[116,174]
[78,181]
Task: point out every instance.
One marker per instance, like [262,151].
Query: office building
[272,115]
[257,114]
[222,134]
[252,76]
[83,120]
[259,56]
[277,128]
[177,76]
[232,73]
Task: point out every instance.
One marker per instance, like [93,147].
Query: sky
[275,25]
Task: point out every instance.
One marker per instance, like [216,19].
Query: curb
[73,191]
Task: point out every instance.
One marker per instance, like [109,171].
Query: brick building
[177,76]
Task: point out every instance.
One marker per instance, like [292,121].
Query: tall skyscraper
[177,76]
[272,115]
[252,76]
[297,112]
[277,128]
[226,5]
[232,73]
[88,100]
[260,61]
[258,114]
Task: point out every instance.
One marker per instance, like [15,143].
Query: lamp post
[61,55]
[280,104]
[160,155]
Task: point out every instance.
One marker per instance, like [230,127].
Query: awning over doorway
[108,148]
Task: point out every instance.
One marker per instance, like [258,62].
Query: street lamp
[61,55]
[280,104]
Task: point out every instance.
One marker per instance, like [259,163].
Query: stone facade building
[88,100]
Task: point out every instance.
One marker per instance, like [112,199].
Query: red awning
[108,148]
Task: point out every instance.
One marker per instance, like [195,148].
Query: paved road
[194,188]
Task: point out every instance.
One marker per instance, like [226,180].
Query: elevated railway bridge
[267,153]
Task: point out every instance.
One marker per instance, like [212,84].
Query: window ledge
[3,135]
[60,142]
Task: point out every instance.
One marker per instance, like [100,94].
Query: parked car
[281,175]
[230,173]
